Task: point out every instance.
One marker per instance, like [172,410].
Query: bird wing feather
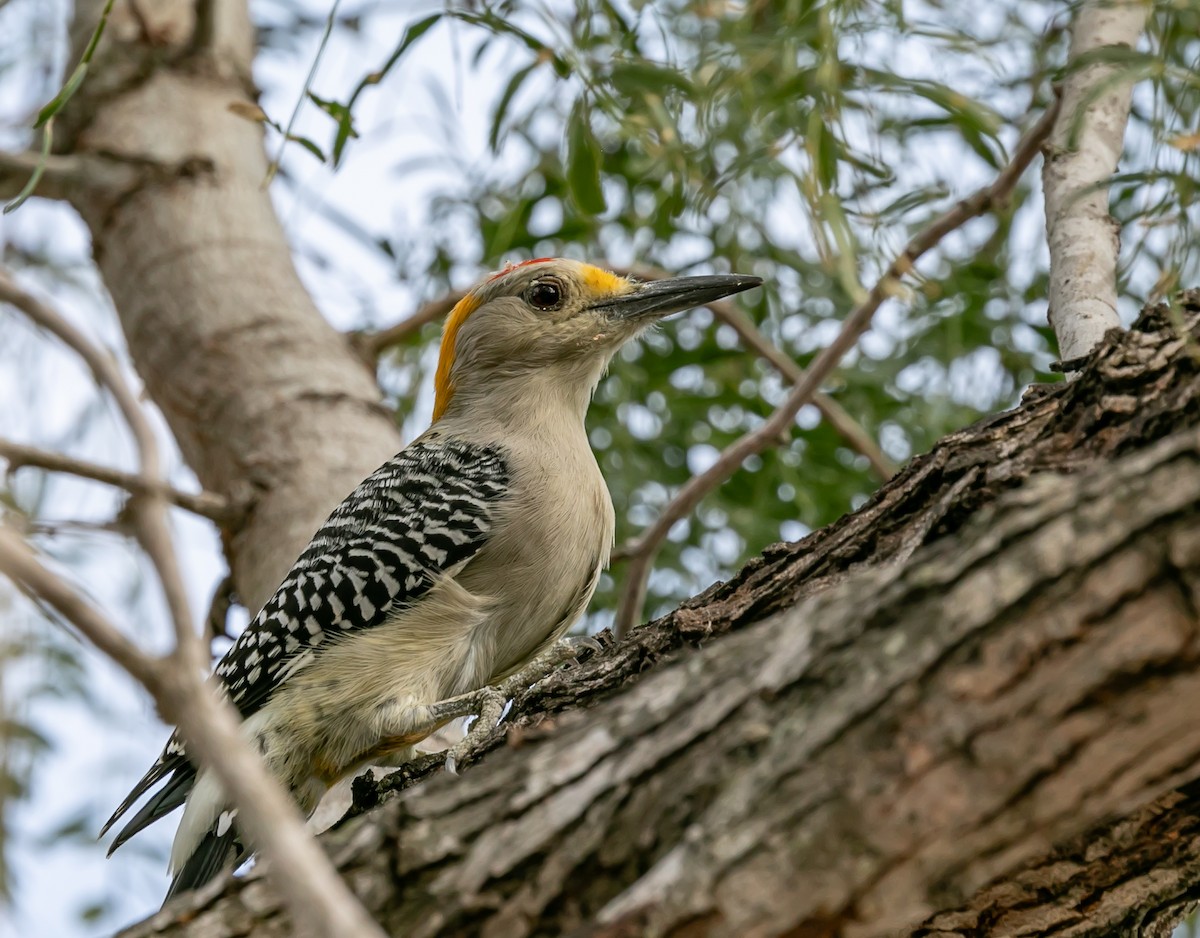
[419,517]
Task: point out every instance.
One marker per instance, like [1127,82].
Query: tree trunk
[902,715]
[269,403]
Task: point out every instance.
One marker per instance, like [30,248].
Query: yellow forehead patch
[602,282]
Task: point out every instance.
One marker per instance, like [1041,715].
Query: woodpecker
[459,561]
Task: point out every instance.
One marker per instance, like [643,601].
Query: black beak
[662,297]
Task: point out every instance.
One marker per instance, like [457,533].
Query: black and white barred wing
[420,516]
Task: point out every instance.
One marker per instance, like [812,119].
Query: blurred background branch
[206,504]
[642,551]
[1083,153]
[316,894]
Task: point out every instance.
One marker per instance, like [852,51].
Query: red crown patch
[510,267]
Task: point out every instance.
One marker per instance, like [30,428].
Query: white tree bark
[1085,147]
[270,405]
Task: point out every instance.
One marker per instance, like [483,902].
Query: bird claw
[487,704]
[587,645]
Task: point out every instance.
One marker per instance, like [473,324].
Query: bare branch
[1084,149]
[843,424]
[64,175]
[318,896]
[150,514]
[645,547]
[101,364]
[18,562]
[206,504]
[271,821]
[17,168]
[371,345]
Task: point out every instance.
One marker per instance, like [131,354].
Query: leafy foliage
[799,140]
[803,142]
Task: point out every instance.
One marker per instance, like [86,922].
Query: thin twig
[838,417]
[645,548]
[752,337]
[206,504]
[317,896]
[101,364]
[19,563]
[371,345]
[150,512]
[58,174]
[308,81]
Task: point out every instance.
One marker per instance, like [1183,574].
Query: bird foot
[487,703]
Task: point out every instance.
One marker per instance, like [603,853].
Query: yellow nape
[443,387]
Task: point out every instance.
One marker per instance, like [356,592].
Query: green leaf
[410,37]
[502,27]
[36,176]
[824,149]
[308,145]
[72,84]
[345,123]
[637,79]
[45,117]
[583,163]
[510,90]
[64,95]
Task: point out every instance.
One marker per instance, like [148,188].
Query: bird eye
[544,294]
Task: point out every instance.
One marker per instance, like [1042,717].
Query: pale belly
[363,700]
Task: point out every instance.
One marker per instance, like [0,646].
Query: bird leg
[487,703]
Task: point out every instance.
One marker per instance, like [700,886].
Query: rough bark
[1136,876]
[270,405]
[902,714]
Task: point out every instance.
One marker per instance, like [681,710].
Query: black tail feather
[162,803]
[169,763]
[214,855]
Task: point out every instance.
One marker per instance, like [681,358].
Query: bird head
[556,320]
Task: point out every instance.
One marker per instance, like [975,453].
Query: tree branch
[151,523]
[645,547]
[270,819]
[318,896]
[18,563]
[1085,147]
[64,176]
[371,345]
[752,337]
[202,280]
[206,504]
